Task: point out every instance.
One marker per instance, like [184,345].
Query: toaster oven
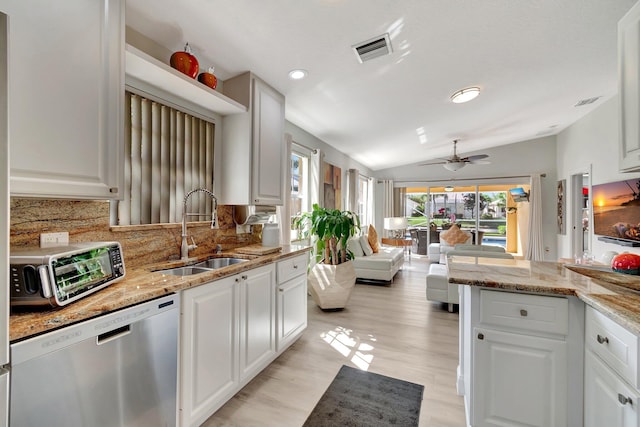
[61,275]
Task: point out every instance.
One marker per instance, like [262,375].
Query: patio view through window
[487,211]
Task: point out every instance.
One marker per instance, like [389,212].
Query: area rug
[358,398]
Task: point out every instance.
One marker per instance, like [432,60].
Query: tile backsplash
[88,220]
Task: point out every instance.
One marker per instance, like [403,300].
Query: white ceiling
[533,59]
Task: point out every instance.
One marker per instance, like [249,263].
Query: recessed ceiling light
[448,188]
[465,95]
[297,74]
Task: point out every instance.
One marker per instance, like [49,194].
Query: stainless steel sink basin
[219,262]
[184,271]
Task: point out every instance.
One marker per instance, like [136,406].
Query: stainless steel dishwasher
[119,369]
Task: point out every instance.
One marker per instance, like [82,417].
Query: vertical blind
[167,154]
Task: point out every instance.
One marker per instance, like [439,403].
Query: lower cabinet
[209,332]
[292,300]
[521,358]
[231,329]
[608,400]
[227,337]
[519,380]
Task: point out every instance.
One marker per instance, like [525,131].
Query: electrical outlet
[48,240]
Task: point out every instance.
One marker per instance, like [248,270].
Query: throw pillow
[372,237]
[353,244]
[366,248]
[454,236]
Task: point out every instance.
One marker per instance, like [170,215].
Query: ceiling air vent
[373,48]
[586,101]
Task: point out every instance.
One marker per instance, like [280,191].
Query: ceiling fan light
[453,166]
[448,188]
[465,95]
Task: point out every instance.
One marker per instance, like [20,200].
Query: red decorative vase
[626,263]
[208,79]
[185,62]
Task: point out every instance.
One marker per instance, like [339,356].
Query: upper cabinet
[66,97]
[253,150]
[629,89]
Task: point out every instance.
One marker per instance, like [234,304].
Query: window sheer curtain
[167,154]
[353,181]
[535,245]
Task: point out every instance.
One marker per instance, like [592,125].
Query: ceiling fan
[455,162]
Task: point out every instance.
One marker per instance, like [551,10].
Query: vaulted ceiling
[533,60]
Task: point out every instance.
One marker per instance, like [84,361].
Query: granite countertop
[139,285]
[616,295]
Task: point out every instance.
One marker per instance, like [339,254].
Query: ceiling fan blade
[431,163]
[477,157]
[480,162]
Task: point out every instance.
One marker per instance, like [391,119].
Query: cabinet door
[209,349]
[257,320]
[629,89]
[292,310]
[608,401]
[269,161]
[518,380]
[65,97]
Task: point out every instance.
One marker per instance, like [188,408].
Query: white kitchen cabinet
[292,300]
[258,320]
[519,379]
[253,151]
[608,400]
[209,349]
[66,74]
[227,338]
[515,352]
[629,90]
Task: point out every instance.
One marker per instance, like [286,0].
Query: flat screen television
[616,211]
[519,195]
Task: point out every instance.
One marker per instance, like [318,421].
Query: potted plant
[333,276]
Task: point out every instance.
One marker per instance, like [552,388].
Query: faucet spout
[185,247]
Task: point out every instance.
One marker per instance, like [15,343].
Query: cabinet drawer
[617,347]
[523,311]
[292,267]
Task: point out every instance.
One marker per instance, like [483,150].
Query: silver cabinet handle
[602,340]
[523,313]
[244,277]
[295,266]
[624,399]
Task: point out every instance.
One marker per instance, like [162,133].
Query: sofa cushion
[372,237]
[366,248]
[353,244]
[383,260]
[454,236]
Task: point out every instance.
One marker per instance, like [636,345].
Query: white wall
[592,143]
[523,158]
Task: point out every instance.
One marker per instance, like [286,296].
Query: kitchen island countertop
[139,285]
[615,295]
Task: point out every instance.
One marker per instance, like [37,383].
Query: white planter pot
[331,285]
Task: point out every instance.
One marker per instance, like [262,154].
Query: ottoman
[439,288]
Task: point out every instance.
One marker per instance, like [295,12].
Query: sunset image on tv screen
[616,209]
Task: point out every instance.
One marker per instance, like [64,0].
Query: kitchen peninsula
[540,341]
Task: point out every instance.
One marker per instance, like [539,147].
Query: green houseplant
[333,276]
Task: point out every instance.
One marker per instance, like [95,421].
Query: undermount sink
[185,271]
[219,262]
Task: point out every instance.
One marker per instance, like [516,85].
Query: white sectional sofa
[438,286]
[382,265]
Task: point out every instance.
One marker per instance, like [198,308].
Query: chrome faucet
[186,247]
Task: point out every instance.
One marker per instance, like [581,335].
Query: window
[167,154]
[299,187]
[365,201]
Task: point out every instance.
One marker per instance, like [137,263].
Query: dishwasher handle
[113,335]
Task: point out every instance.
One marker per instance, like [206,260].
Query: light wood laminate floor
[387,329]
